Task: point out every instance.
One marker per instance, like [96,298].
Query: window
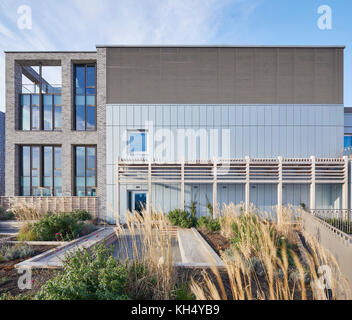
[137,142]
[40,101]
[40,171]
[85,97]
[348,141]
[85,171]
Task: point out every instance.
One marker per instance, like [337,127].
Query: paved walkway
[54,258]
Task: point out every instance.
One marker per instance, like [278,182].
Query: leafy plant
[208,223]
[82,215]
[6,215]
[26,233]
[180,218]
[85,276]
[183,292]
[13,252]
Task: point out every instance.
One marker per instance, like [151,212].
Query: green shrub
[82,215]
[26,233]
[180,218]
[56,227]
[6,215]
[183,292]
[85,276]
[63,226]
[9,252]
[208,223]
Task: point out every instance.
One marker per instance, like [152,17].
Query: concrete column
[279,193]
[182,185]
[150,204]
[215,190]
[117,208]
[312,184]
[247,188]
[345,185]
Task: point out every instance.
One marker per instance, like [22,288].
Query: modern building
[164,126]
[2,153]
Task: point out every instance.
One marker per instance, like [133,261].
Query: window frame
[86,65]
[40,169]
[86,188]
[41,95]
[138,153]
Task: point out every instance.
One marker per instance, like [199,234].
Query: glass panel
[57,99]
[47,182]
[80,162]
[26,161]
[90,100]
[90,91]
[35,99]
[35,181]
[91,76]
[35,158]
[48,117]
[137,142]
[57,187]
[91,192]
[348,141]
[25,186]
[58,118]
[25,102]
[48,162]
[90,158]
[57,164]
[36,192]
[90,117]
[80,79]
[80,100]
[91,182]
[35,118]
[140,201]
[80,118]
[80,187]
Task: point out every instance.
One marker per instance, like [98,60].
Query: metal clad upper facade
[224,75]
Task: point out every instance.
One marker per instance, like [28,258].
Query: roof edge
[221,46]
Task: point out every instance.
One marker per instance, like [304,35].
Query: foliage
[183,292]
[85,276]
[57,227]
[208,223]
[26,233]
[13,252]
[6,215]
[82,215]
[345,226]
[194,213]
[181,218]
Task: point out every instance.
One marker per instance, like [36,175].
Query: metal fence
[338,218]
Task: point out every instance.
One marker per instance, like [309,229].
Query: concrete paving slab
[54,258]
[195,251]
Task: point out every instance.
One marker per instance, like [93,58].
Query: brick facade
[67,137]
[2,153]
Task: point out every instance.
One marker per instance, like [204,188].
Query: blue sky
[81,24]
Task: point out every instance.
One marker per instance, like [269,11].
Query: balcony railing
[46,88]
[338,218]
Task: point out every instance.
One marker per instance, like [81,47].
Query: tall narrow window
[40,100]
[41,171]
[85,171]
[85,97]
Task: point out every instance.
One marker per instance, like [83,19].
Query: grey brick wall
[2,153]
[67,137]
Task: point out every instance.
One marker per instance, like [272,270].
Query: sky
[82,24]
